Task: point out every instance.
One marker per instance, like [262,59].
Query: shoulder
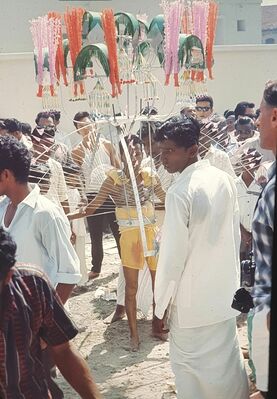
[48,210]
[116,175]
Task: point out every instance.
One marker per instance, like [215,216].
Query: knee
[131,291]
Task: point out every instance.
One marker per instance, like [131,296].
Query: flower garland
[73,21]
[108,26]
[172,23]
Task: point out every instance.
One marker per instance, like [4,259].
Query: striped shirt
[262,233]
[30,310]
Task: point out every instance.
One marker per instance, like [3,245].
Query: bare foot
[93,275]
[134,344]
[118,314]
[160,336]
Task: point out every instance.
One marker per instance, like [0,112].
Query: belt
[134,222]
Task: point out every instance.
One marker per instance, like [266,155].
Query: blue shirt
[262,232]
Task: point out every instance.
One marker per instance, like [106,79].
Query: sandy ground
[119,373]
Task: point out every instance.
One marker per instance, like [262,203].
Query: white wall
[15,33]
[240,74]
[230,11]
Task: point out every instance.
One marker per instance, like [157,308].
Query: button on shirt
[198,266]
[42,235]
[262,233]
[247,199]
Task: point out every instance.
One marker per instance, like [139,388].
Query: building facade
[269,24]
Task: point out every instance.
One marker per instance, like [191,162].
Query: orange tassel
[109,29]
[176,79]
[40,89]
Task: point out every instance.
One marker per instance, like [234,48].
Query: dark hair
[44,115]
[56,115]
[146,126]
[228,113]
[15,157]
[205,97]
[12,125]
[2,124]
[270,93]
[7,253]
[71,168]
[39,173]
[241,108]
[79,116]
[245,121]
[149,110]
[134,139]
[184,131]
[26,129]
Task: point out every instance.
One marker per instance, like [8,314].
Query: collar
[32,197]
[191,168]
[271,171]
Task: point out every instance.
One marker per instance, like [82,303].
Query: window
[241,25]
[270,40]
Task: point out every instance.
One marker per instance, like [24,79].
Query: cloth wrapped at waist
[128,216]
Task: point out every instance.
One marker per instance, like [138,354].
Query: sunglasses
[205,109]
[251,116]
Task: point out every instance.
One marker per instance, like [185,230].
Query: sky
[269,2]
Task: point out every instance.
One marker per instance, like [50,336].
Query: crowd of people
[188,200]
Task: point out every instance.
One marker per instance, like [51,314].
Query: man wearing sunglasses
[204,107]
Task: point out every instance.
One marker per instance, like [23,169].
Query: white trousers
[80,248]
[260,348]
[207,361]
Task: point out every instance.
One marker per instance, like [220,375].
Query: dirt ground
[119,373]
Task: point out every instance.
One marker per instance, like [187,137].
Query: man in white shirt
[248,193]
[198,270]
[43,140]
[39,228]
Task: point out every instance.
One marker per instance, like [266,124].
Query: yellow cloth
[130,238]
[118,177]
[131,248]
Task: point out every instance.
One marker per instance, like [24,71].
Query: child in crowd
[118,186]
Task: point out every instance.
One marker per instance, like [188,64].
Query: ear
[193,151]
[9,276]
[274,118]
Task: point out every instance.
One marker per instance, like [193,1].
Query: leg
[95,225]
[114,228]
[120,308]
[131,278]
[162,337]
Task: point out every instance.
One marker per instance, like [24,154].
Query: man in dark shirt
[31,311]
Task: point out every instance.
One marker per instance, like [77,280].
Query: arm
[113,157]
[159,191]
[78,155]
[100,198]
[75,370]
[64,291]
[173,252]
[65,206]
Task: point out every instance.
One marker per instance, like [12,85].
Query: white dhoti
[207,361]
[260,348]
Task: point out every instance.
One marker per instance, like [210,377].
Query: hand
[73,238]
[268,321]
[159,325]
[257,395]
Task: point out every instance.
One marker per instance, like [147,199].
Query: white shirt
[95,165]
[198,267]
[247,199]
[252,142]
[42,235]
[74,199]
[26,141]
[220,160]
[57,190]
